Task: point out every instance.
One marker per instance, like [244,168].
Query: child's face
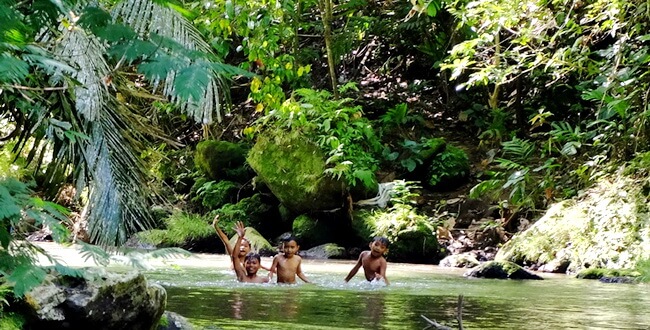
[252,265]
[377,248]
[290,248]
[244,248]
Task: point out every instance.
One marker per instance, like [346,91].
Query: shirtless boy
[287,263]
[248,272]
[373,261]
[241,252]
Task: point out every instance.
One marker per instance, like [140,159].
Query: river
[203,289]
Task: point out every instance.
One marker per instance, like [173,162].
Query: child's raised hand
[240,229]
[215,222]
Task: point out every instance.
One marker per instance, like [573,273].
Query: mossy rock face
[294,170]
[502,270]
[448,169]
[313,232]
[222,160]
[255,212]
[412,236]
[104,301]
[432,147]
[598,273]
[607,227]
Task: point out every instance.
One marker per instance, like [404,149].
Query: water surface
[204,290]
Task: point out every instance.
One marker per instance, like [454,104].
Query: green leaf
[67,271]
[99,255]
[116,32]
[12,69]
[157,67]
[5,237]
[190,83]
[133,50]
[9,207]
[229,70]
[94,18]
[432,9]
[25,277]
[409,164]
[367,177]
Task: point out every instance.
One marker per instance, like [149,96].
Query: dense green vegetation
[135,103]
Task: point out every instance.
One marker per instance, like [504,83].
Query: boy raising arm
[248,272]
[287,263]
[241,251]
[373,261]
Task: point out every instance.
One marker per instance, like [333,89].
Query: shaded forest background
[140,114]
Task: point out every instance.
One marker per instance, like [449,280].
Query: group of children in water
[286,264]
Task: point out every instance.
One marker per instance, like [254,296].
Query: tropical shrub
[338,129]
[449,168]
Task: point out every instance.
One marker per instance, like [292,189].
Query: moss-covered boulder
[255,212]
[412,236]
[294,170]
[222,160]
[608,226]
[106,301]
[501,270]
[313,231]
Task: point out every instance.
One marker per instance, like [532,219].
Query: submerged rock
[174,321]
[107,301]
[501,270]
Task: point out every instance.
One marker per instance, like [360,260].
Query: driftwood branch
[434,325]
[459,317]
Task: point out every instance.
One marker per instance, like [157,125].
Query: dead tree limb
[434,325]
[459,317]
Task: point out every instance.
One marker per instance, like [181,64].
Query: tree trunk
[326,14]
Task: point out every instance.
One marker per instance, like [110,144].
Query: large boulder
[608,226]
[294,170]
[313,231]
[107,301]
[222,160]
[501,270]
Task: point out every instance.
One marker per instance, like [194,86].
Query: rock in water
[106,301]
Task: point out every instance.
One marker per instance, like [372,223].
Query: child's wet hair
[381,239]
[291,238]
[253,255]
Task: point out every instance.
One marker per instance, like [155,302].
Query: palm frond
[149,20]
[118,203]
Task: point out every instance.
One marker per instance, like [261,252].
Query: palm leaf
[118,202]
[150,20]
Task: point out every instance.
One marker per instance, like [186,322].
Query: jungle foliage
[99,94]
